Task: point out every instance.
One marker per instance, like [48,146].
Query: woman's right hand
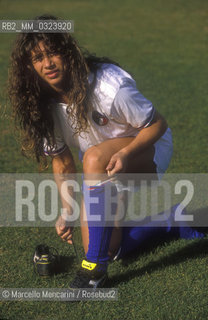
[64,230]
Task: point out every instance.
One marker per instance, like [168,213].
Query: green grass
[164,45]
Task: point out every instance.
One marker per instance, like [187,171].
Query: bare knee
[94,161]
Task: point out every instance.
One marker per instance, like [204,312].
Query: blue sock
[181,230]
[135,237]
[99,231]
[185,232]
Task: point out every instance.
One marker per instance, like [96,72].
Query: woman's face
[48,65]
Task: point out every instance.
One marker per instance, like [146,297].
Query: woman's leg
[95,161]
[115,238]
[97,157]
[84,227]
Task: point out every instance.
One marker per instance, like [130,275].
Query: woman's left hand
[117,163]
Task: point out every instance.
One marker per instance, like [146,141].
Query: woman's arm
[63,165]
[145,138]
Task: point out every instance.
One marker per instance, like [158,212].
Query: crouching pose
[63,96]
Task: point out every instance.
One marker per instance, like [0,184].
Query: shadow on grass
[64,264]
[191,250]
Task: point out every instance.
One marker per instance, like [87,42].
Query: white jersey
[119,110]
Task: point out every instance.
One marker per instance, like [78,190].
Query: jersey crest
[99,118]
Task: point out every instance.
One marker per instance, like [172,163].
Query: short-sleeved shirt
[118,104]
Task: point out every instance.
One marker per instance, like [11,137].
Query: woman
[62,96]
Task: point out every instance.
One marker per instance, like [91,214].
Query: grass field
[164,45]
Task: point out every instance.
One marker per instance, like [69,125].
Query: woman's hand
[117,163]
[64,230]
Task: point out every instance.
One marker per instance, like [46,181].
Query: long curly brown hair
[30,96]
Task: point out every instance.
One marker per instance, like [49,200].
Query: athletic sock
[99,231]
[185,232]
[180,229]
[140,237]
[149,233]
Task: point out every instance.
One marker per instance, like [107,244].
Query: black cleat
[91,275]
[45,262]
